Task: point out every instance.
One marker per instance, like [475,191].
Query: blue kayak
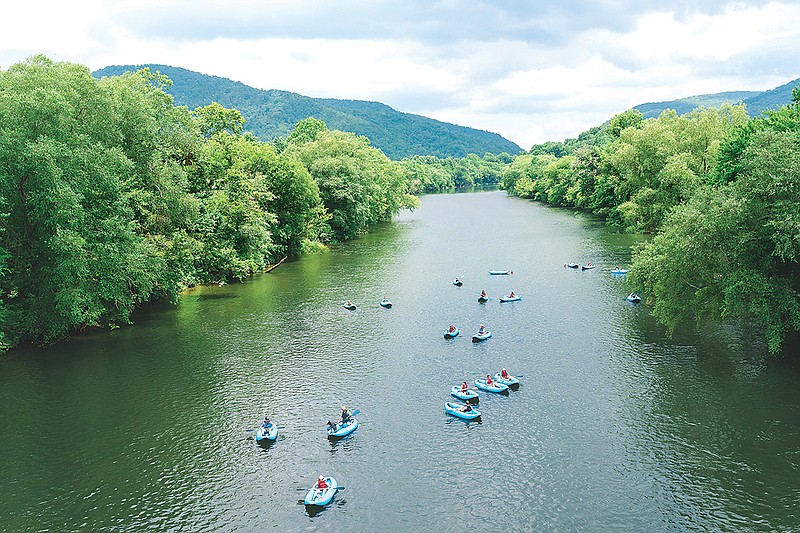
[587,267]
[619,271]
[510,299]
[386,303]
[343,430]
[483,299]
[634,298]
[262,435]
[498,388]
[324,496]
[350,307]
[455,410]
[510,381]
[457,282]
[470,395]
[499,272]
[450,334]
[478,337]
[573,265]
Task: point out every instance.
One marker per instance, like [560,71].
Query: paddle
[337,488]
[253,430]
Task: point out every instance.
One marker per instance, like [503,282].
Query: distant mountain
[756,101]
[273,113]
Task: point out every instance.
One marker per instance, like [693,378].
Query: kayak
[499,272]
[496,387]
[470,395]
[481,337]
[455,410]
[634,298]
[587,267]
[510,381]
[386,303]
[573,265]
[450,334]
[343,430]
[350,307]
[510,299]
[458,282]
[324,496]
[483,299]
[262,435]
[619,271]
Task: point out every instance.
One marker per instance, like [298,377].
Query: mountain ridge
[272,113]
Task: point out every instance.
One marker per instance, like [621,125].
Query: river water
[616,426]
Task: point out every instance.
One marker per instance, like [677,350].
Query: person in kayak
[489,380]
[320,484]
[331,427]
[266,424]
[483,293]
[511,295]
[466,408]
[504,374]
[451,329]
[482,330]
[464,387]
[346,416]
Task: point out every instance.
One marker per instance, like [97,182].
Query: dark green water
[616,427]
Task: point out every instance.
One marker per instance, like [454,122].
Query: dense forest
[720,192]
[272,113]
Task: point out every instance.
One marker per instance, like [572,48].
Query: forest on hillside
[718,190]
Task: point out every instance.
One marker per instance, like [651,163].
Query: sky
[532,71]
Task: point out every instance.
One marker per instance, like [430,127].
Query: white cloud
[530,71]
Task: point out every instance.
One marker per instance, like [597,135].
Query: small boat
[343,430]
[470,394]
[587,267]
[498,388]
[320,497]
[483,299]
[478,337]
[455,410]
[450,334]
[634,298]
[572,265]
[619,271]
[499,272]
[263,436]
[386,303]
[510,299]
[511,382]
[457,282]
[350,306]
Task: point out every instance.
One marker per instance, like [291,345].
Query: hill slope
[274,113]
[756,101]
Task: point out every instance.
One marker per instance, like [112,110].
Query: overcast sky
[532,71]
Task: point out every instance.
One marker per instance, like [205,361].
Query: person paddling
[321,484]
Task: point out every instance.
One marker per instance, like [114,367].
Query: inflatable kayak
[455,410]
[470,395]
[450,334]
[457,282]
[619,271]
[510,381]
[322,497]
[573,265]
[587,267]
[343,430]
[483,299]
[264,436]
[478,337]
[499,272]
[510,299]
[495,387]
[634,298]
[386,303]
[350,307]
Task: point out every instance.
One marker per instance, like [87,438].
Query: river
[615,427]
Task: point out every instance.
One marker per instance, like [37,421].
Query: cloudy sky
[532,71]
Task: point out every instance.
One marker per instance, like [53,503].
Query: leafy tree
[214,118]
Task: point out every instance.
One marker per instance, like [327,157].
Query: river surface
[616,426]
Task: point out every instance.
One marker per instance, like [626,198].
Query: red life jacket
[504,373]
[321,484]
